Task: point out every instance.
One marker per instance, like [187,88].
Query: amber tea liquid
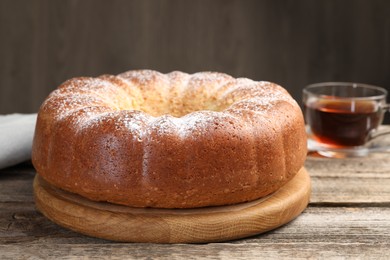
[341,123]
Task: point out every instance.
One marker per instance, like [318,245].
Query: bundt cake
[176,140]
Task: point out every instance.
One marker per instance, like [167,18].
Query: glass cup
[343,118]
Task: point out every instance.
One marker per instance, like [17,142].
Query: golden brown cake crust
[175,140]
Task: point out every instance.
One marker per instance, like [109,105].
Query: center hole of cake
[177,107]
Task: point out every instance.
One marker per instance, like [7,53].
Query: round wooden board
[121,223]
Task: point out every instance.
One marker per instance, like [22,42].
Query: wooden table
[348,217]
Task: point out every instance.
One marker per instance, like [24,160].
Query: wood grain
[319,232]
[291,42]
[351,181]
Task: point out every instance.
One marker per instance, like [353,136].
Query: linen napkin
[16,135]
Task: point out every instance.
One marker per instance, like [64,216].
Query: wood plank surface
[320,232]
[350,181]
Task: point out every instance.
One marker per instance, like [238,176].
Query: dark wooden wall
[290,42]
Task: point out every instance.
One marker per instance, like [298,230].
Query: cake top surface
[176,100]
[175,94]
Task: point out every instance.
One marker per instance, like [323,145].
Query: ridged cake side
[176,140]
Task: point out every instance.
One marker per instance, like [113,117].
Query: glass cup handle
[376,133]
[386,107]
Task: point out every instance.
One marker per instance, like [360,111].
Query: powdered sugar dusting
[177,81]
[90,118]
[198,123]
[209,77]
[95,100]
[246,88]
[79,93]
[134,121]
[207,83]
[60,106]
[262,105]
[143,77]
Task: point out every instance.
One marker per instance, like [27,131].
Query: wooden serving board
[121,223]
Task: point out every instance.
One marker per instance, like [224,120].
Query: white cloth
[16,135]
